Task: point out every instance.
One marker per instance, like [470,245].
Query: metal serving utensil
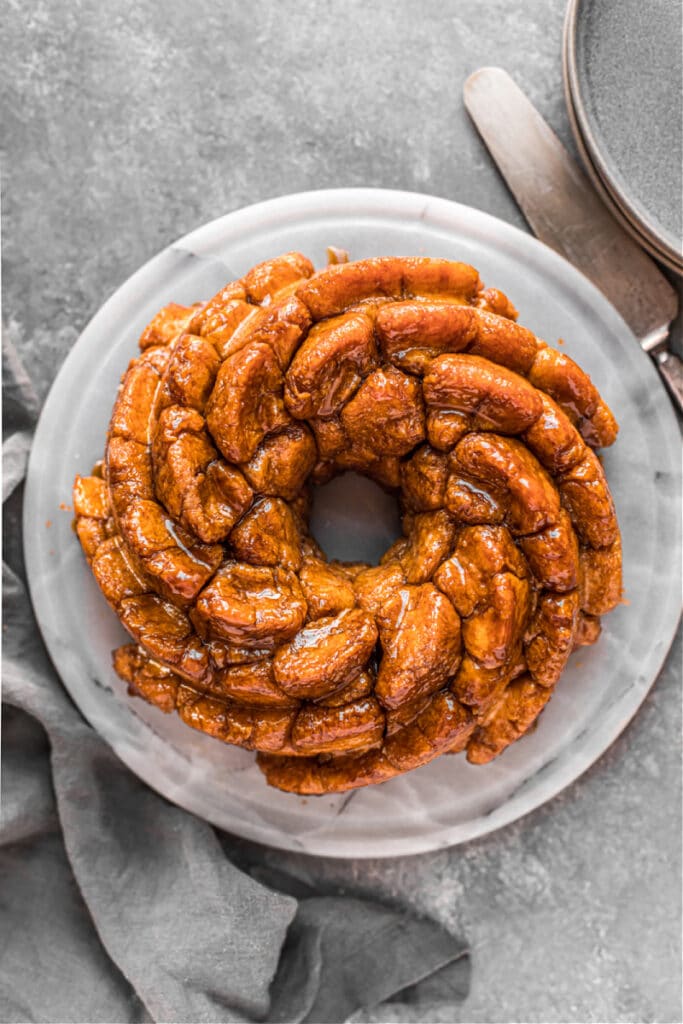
[564,211]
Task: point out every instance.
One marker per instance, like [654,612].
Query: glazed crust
[409,371]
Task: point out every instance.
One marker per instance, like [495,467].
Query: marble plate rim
[414,206]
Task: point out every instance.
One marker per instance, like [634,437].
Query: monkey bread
[410,372]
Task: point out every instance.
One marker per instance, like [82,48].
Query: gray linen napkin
[116,905]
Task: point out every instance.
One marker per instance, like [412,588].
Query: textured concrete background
[128,123]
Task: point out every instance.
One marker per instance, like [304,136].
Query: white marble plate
[447,801]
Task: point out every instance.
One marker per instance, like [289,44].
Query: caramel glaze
[411,372]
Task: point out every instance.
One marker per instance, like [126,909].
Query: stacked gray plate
[623,80]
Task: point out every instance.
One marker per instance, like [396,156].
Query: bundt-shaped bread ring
[195,526]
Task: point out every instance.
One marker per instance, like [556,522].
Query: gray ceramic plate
[605,193]
[449,800]
[625,75]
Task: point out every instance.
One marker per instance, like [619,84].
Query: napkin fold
[115,905]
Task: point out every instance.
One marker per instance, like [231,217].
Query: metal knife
[564,211]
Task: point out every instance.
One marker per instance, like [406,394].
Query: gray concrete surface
[126,124]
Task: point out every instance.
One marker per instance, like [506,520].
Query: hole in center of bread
[353,519]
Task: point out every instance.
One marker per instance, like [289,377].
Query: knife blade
[564,211]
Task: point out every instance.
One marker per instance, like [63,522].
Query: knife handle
[671,368]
